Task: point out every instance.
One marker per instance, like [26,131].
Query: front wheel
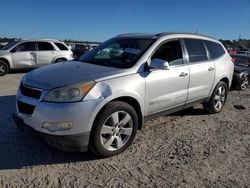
[4,68]
[114,129]
[218,99]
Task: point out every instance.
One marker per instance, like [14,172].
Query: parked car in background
[232,51]
[32,53]
[243,52]
[92,46]
[102,100]
[79,49]
[241,71]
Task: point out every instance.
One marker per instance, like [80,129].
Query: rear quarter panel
[224,68]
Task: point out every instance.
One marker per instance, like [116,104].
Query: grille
[30,92]
[25,108]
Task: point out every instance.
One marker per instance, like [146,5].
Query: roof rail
[188,33]
[125,34]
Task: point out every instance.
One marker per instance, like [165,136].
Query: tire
[4,68]
[114,129]
[218,99]
[244,84]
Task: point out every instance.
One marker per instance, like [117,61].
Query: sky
[99,20]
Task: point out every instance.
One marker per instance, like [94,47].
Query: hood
[2,52]
[67,73]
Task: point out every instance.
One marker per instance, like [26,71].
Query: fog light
[57,126]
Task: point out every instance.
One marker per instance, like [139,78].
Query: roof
[158,35]
[47,40]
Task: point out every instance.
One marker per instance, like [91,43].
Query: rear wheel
[60,60]
[4,68]
[218,99]
[114,129]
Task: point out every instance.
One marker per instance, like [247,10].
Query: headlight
[73,93]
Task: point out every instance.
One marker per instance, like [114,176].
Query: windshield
[118,52]
[241,61]
[9,45]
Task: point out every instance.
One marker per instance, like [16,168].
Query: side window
[215,49]
[61,46]
[196,50]
[45,46]
[25,46]
[170,52]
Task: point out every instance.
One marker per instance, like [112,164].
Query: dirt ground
[186,149]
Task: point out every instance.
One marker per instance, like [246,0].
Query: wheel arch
[131,101]
[226,80]
[6,61]
[57,58]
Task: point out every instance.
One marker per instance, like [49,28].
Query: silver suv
[32,53]
[102,100]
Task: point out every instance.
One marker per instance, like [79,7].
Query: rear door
[166,89]
[45,53]
[202,70]
[24,55]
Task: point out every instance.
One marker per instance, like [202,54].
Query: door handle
[183,74]
[210,69]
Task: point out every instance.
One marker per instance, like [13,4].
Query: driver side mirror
[159,64]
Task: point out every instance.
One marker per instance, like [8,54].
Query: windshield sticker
[132,51]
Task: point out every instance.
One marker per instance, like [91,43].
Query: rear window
[215,49]
[196,50]
[61,46]
[45,46]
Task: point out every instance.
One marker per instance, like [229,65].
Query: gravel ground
[186,149]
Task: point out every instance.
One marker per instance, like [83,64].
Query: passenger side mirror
[159,64]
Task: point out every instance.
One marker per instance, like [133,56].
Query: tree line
[240,43]
[6,39]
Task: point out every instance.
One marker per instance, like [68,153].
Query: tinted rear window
[61,46]
[215,49]
[45,46]
[196,50]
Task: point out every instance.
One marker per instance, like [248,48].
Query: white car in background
[32,54]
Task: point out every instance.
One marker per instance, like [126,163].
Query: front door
[166,89]
[24,55]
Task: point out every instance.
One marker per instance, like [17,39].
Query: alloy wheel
[2,69]
[116,130]
[220,97]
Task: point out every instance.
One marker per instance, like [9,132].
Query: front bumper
[81,114]
[68,143]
